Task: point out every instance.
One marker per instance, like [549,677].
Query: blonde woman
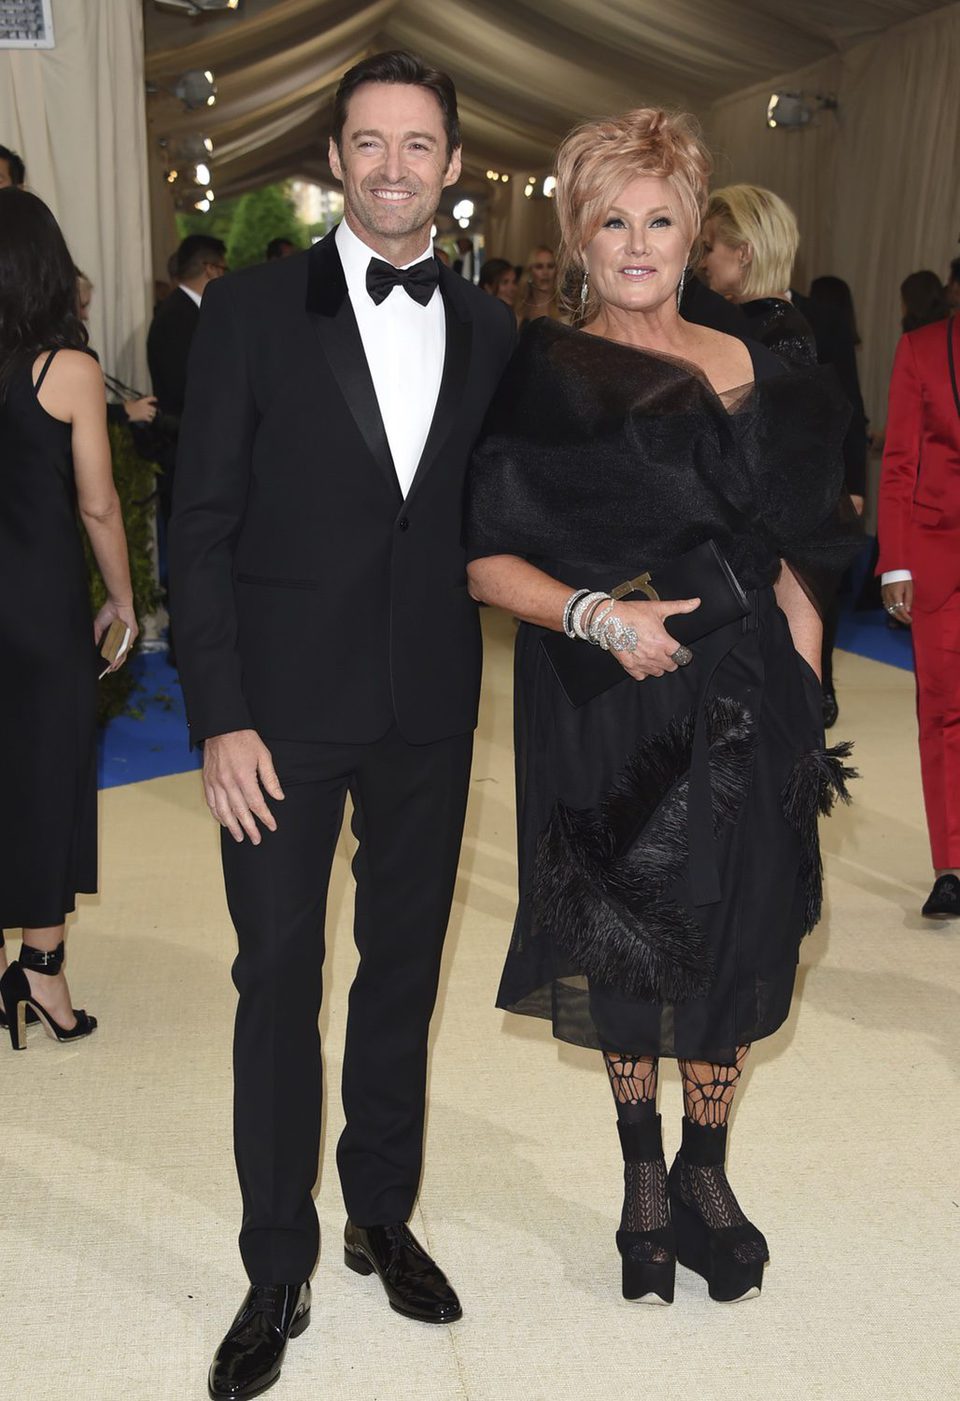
[539,293]
[749,243]
[668,855]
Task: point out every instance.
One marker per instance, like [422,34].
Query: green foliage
[136,483]
[260,216]
[216,223]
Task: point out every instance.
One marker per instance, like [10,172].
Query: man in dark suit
[198,261]
[328,646]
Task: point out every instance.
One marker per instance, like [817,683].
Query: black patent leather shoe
[415,1286]
[943,902]
[249,1359]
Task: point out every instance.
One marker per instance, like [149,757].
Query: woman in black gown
[668,854]
[54,460]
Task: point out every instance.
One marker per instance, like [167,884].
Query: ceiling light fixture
[792,110]
[196,7]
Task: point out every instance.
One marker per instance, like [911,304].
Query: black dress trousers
[409,802]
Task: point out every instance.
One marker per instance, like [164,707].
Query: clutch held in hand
[113,644]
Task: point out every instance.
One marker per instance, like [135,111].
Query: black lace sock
[698,1176]
[633,1080]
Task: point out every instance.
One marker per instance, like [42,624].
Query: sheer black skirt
[765,851]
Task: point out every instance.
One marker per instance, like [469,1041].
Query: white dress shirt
[195,297]
[404,343]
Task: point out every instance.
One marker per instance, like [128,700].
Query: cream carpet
[118,1267]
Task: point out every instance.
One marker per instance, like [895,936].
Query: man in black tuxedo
[199,261]
[328,646]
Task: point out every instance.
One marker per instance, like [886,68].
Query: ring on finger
[682,656]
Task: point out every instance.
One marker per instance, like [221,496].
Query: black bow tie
[419,281]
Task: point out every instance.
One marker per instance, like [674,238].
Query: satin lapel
[331,314]
[456,365]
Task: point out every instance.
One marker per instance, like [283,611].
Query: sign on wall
[26,24]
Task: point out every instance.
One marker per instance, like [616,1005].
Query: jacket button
[403,523]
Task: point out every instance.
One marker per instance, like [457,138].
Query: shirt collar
[355,256]
[194,296]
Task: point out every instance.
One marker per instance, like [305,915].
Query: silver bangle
[595,634]
[580,610]
[569,606]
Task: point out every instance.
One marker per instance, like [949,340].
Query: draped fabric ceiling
[874,185]
[526,70]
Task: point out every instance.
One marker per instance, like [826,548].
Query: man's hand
[237,771]
[898,600]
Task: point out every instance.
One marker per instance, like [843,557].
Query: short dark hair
[18,171]
[194,251]
[924,300]
[955,270]
[399,66]
[492,271]
[276,246]
[38,284]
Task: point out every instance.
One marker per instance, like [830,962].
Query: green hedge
[136,484]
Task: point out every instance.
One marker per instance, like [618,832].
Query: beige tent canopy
[526,70]
[874,182]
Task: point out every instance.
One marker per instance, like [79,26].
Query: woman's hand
[653,653]
[898,600]
[109,613]
[141,410]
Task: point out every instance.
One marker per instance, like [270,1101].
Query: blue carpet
[153,742]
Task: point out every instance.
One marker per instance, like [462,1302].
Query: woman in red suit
[919,528]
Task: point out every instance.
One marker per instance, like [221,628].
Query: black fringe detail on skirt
[819,778]
[601,877]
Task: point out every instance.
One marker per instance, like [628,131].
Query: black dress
[48,804]
[599,461]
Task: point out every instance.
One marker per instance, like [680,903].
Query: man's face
[5,176]
[392,161]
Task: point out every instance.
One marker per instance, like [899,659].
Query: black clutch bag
[585,671]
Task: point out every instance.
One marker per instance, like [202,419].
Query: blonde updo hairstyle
[767,225]
[598,159]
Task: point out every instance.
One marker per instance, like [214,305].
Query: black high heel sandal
[18,1000]
[730,1256]
[32,1017]
[649,1257]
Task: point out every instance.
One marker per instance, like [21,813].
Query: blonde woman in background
[539,293]
[749,243]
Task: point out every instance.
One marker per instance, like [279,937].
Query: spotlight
[171,176]
[463,211]
[550,186]
[195,147]
[464,223]
[196,7]
[794,109]
[203,205]
[196,88]
[201,174]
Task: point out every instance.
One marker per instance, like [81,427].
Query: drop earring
[680,286]
[584,290]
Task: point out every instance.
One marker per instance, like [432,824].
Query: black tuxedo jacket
[310,600]
[168,348]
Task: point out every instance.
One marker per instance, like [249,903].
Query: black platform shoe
[650,1256]
[943,902]
[17,998]
[32,1017]
[714,1238]
[249,1359]
[415,1286]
